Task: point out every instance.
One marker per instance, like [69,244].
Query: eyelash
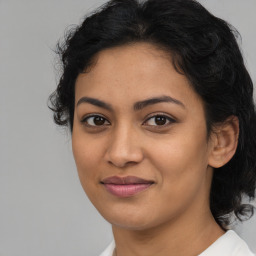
[168,119]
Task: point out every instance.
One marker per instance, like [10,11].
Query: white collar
[229,244]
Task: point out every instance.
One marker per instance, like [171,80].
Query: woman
[160,107]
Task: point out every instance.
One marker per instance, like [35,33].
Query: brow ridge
[142,104]
[137,106]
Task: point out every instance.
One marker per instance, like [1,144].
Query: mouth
[126,186]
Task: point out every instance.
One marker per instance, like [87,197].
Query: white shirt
[229,244]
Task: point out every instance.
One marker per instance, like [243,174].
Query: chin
[131,222]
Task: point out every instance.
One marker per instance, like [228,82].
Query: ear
[224,140]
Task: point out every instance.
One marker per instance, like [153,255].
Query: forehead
[133,72]
[137,59]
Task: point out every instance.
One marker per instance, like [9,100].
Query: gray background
[44,210]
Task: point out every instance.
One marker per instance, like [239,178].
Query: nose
[124,148]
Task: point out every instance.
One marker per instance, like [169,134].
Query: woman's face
[140,140]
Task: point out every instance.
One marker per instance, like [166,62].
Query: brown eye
[159,120]
[98,120]
[95,120]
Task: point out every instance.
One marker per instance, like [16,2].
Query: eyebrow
[137,106]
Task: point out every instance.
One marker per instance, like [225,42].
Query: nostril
[131,163]
[122,164]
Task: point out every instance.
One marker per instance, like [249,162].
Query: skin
[177,156]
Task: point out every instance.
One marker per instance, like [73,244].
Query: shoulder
[230,244]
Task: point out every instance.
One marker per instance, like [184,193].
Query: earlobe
[224,140]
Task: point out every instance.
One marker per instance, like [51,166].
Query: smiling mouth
[126,186]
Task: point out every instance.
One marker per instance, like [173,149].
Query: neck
[185,236]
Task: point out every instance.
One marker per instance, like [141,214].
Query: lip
[126,186]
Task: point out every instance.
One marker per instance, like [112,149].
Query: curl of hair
[203,48]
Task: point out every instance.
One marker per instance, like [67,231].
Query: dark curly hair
[203,48]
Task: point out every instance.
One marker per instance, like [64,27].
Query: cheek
[87,157]
[181,162]
[182,175]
